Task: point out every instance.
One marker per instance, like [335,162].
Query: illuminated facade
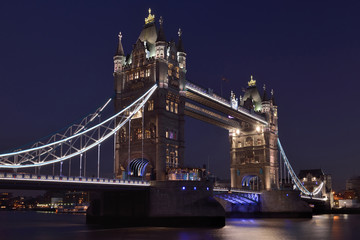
[158,144]
[254,150]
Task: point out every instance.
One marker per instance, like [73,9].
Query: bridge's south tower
[254,152]
[159,144]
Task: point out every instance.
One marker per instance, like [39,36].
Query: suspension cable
[70,141]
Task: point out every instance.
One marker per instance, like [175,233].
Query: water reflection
[31,225]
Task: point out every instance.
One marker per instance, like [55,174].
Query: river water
[40,225]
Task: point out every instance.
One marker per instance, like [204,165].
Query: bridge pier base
[273,204]
[284,203]
[165,204]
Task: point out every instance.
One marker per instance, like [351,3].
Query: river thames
[39,225]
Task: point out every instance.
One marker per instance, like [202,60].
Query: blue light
[207,188]
[287,195]
[194,188]
[183,188]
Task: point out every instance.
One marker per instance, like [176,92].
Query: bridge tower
[157,145]
[254,151]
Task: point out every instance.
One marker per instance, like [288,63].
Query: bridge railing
[67,179]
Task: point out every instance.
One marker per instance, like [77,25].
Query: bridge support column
[233,177]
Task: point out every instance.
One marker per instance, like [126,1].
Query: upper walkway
[212,100]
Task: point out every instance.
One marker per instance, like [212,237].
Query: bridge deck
[32,181]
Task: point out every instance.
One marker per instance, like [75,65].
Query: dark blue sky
[56,66]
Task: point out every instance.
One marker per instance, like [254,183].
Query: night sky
[56,66]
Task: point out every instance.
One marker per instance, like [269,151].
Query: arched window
[249,141]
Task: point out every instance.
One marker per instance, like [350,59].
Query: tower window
[139,133]
[130,76]
[136,75]
[147,73]
[167,105]
[172,107]
[176,108]
[147,134]
[167,133]
[142,74]
[151,105]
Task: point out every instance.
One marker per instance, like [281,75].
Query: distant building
[315,180]
[18,203]
[5,198]
[74,197]
[349,203]
[354,184]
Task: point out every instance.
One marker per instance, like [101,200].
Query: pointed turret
[160,44]
[265,105]
[180,46]
[272,97]
[264,97]
[181,52]
[161,34]
[119,50]
[181,58]
[119,58]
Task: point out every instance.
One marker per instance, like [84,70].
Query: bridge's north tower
[152,60]
[254,152]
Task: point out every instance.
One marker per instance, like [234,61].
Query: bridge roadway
[46,182]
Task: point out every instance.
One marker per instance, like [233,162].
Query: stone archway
[251,182]
[137,167]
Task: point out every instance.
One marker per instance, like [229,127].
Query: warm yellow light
[150,18]
[258,128]
[237,131]
[252,82]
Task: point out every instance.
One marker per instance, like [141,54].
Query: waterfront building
[5,200]
[353,183]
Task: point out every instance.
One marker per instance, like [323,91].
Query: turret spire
[272,97]
[264,97]
[180,46]
[120,50]
[161,35]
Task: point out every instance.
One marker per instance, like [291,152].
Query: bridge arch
[251,182]
[137,167]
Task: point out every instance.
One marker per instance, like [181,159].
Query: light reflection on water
[32,225]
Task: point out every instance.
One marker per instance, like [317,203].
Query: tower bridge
[251,122]
[152,98]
